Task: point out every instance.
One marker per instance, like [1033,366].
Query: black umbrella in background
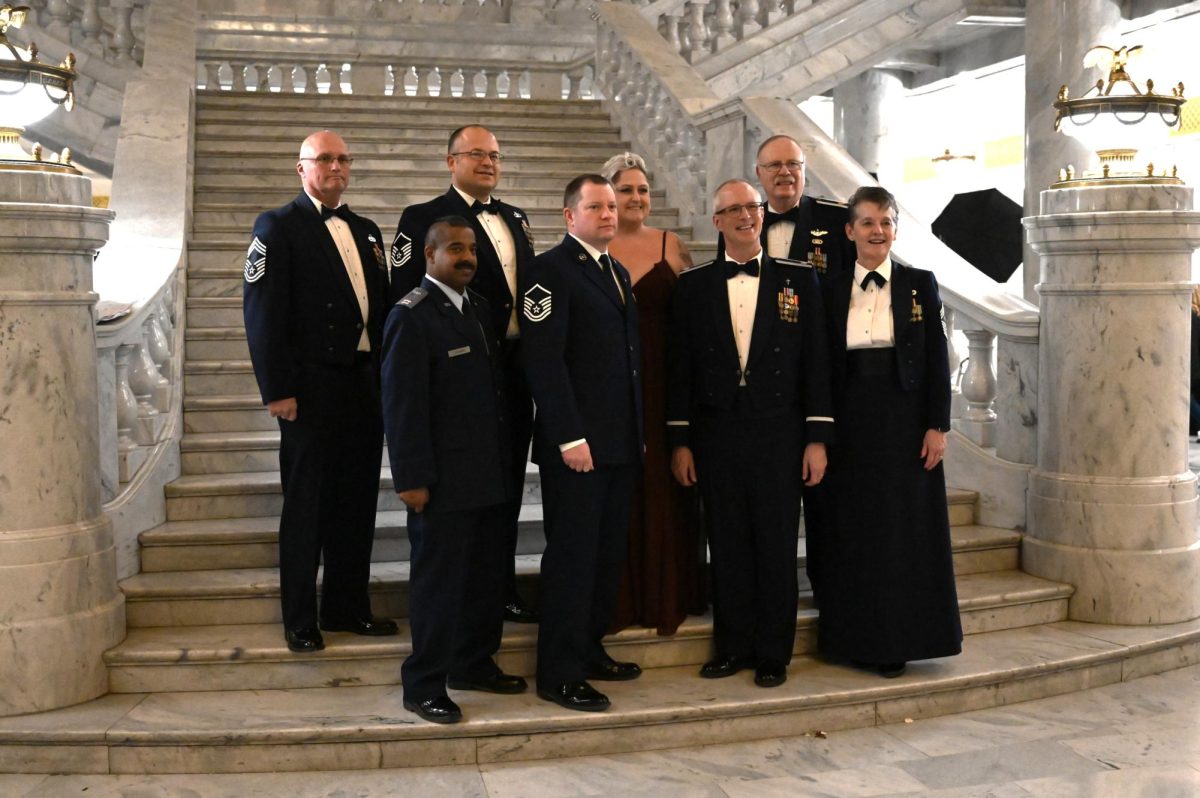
[984,227]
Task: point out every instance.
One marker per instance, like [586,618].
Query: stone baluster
[90,24]
[722,25]
[335,77]
[955,360]
[239,75]
[307,74]
[672,24]
[747,18]
[456,83]
[770,12]
[160,350]
[262,73]
[148,387]
[698,48]
[122,43]
[423,75]
[58,15]
[127,406]
[491,85]
[978,387]
[212,75]
[287,84]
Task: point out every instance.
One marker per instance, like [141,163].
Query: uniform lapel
[332,257]
[765,309]
[901,301]
[840,308]
[802,235]
[593,271]
[463,325]
[485,251]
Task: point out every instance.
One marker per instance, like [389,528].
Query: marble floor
[1138,738]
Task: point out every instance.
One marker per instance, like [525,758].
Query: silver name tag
[462,350]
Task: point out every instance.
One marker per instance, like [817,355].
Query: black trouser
[454,601]
[329,461]
[520,418]
[587,532]
[748,469]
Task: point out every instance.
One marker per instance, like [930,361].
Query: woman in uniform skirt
[889,597]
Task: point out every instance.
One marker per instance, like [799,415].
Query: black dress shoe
[504,683]
[304,639]
[517,612]
[575,695]
[439,709]
[721,666]
[371,627]
[890,670]
[612,671]
[770,674]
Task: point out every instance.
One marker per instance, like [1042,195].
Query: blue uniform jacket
[443,404]
[920,339]
[298,302]
[582,356]
[408,260]
[787,369]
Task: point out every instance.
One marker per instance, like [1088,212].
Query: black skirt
[888,591]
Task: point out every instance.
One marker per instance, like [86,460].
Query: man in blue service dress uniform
[504,249]
[812,230]
[444,411]
[314,292]
[748,412]
[582,355]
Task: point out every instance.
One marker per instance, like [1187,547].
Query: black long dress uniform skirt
[888,592]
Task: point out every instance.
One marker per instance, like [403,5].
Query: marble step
[216,343]
[233,452]
[254,656]
[351,727]
[383,200]
[374,104]
[230,595]
[381,111]
[564,158]
[221,543]
[513,181]
[228,413]
[209,377]
[257,493]
[233,219]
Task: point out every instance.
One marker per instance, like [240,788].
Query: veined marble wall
[59,607]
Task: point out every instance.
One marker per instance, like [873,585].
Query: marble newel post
[1112,504]
[59,604]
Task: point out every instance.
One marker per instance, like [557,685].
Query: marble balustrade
[698,29]
[412,78]
[111,30]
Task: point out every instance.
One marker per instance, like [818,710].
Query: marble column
[862,107]
[60,608]
[1057,35]
[1112,503]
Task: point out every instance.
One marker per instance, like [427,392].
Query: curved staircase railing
[142,266]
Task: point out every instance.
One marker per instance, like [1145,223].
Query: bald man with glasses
[504,250]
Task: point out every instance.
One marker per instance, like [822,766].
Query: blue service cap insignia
[256,260]
[537,303]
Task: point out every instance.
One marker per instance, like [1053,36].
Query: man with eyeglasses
[313,299]
[795,226]
[504,249]
[748,416]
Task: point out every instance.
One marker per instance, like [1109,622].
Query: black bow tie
[872,277]
[749,268]
[491,206]
[770,217]
[341,211]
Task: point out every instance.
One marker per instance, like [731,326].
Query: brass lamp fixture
[29,91]
[1115,119]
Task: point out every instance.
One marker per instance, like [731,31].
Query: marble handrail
[670,111]
[491,78]
[110,30]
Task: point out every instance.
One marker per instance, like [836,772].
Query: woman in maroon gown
[663,579]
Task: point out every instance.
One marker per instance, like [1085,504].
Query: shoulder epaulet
[696,267]
[796,264]
[414,297]
[831,202]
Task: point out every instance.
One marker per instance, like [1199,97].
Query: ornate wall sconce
[29,91]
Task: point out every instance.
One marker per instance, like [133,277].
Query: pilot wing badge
[537,303]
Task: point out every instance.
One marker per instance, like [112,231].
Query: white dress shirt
[506,250]
[455,297]
[344,239]
[743,302]
[779,238]
[869,321]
